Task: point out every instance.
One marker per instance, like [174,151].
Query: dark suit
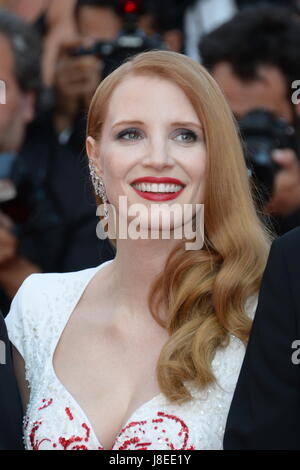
[10,403]
[265,411]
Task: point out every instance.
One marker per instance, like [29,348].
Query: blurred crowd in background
[53,55]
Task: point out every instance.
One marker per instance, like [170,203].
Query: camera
[130,41]
[262,132]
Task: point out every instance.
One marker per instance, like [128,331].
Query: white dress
[54,420]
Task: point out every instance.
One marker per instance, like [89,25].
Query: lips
[154,179]
[159,195]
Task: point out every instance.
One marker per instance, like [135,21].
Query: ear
[91,149]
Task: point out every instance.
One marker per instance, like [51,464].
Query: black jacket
[10,403]
[265,411]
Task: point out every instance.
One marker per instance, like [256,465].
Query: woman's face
[151,130]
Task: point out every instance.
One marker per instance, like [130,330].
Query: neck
[136,265]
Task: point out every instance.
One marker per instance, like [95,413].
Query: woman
[144,351]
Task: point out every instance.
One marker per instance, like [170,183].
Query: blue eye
[129,134]
[188,136]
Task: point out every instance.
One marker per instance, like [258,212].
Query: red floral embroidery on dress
[140,444]
[46,403]
[70,416]
[35,444]
[65,443]
[158,429]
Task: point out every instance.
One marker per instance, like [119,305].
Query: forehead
[149,96]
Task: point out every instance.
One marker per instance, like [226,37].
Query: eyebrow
[177,123]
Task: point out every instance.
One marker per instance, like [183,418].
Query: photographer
[20,72]
[78,74]
[53,19]
[255,58]
[76,78]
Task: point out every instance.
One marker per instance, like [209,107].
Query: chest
[110,374]
[56,418]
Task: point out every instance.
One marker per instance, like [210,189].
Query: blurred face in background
[17,112]
[268,90]
[104,24]
[77,78]
[98,23]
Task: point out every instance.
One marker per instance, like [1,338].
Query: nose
[158,155]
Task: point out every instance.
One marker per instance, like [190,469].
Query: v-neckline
[87,420]
[93,273]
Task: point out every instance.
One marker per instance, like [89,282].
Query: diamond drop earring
[99,188]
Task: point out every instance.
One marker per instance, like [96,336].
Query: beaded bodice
[54,420]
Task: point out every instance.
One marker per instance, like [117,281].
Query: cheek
[197,172]
[197,165]
[109,161]
[116,161]
[115,170]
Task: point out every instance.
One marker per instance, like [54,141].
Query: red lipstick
[158,180]
[154,179]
